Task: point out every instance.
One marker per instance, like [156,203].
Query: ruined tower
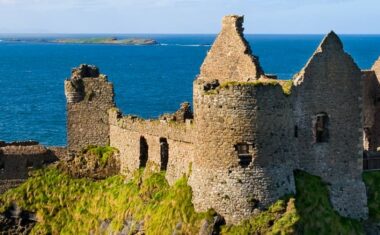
[89,96]
[328,116]
[236,170]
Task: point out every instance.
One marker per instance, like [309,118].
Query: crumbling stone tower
[328,119]
[236,170]
[89,96]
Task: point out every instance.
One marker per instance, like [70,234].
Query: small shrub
[103,153]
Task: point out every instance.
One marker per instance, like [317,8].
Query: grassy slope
[309,212]
[372,181]
[79,205]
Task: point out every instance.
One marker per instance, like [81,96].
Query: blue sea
[148,80]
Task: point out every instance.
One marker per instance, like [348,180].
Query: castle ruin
[249,131]
[17,159]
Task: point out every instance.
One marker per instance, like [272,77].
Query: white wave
[192,45]
[185,45]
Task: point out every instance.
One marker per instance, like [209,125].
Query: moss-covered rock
[97,162]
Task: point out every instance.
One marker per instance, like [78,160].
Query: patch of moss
[78,206]
[309,212]
[102,152]
[280,218]
[286,85]
[372,181]
[315,211]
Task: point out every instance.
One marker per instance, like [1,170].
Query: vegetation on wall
[102,152]
[316,215]
[308,212]
[286,85]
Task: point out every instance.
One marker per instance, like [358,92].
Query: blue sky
[188,16]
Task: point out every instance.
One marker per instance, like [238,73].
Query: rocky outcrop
[15,221]
[91,163]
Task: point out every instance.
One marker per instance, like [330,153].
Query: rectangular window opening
[244,151]
[321,128]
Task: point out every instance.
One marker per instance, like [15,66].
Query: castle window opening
[143,152]
[244,151]
[296,131]
[321,128]
[164,153]
[2,166]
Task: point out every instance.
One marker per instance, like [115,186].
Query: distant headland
[90,40]
[112,40]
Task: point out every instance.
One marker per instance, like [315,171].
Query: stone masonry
[18,159]
[248,133]
[371,107]
[89,95]
[329,87]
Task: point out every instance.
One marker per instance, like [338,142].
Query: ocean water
[148,80]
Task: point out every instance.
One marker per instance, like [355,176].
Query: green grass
[315,211]
[102,152]
[309,212]
[280,218]
[77,206]
[286,85]
[372,181]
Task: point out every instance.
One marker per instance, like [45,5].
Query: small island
[113,40]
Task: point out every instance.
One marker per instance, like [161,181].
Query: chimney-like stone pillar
[89,96]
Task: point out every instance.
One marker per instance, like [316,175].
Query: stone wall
[371,92]
[230,58]
[222,178]
[371,107]
[18,159]
[89,96]
[141,142]
[328,116]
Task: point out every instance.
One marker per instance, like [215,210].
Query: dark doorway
[143,152]
[164,152]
